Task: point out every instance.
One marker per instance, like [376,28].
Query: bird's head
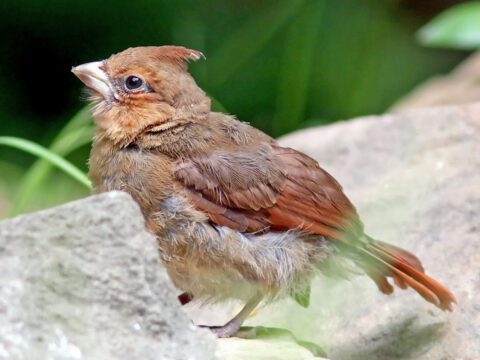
[143,90]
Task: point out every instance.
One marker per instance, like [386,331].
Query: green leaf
[41,152]
[262,343]
[303,298]
[457,27]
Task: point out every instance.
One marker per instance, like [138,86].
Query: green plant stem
[78,132]
[41,152]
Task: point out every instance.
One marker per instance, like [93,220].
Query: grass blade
[78,132]
[41,152]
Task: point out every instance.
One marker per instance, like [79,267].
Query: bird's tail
[380,260]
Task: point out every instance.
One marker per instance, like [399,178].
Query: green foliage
[270,343]
[247,41]
[280,65]
[457,27]
[297,62]
[303,298]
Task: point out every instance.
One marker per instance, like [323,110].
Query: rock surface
[415,178]
[82,281]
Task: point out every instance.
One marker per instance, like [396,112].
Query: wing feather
[268,188]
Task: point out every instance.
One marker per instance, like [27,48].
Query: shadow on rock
[401,340]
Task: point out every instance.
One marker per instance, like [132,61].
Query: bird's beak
[93,75]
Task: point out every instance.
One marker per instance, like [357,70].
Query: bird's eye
[133,83]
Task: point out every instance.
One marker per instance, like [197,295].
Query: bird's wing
[281,189]
[269,187]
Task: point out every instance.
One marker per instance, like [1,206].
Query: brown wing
[268,188]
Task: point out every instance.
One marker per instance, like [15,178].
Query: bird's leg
[233,326]
[185,298]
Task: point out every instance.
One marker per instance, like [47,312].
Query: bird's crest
[176,54]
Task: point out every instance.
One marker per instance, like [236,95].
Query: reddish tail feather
[381,260]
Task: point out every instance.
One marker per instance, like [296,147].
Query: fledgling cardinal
[236,215]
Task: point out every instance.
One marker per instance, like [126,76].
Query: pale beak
[93,75]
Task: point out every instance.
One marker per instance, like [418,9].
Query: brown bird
[236,215]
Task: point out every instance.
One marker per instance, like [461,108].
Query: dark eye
[133,82]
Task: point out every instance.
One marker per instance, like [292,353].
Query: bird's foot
[232,328]
[228,330]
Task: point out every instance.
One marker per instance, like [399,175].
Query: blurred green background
[280,65]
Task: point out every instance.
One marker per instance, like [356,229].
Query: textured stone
[415,177]
[83,281]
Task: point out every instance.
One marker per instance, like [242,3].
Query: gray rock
[83,281]
[415,178]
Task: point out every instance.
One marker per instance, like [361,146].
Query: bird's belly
[211,283]
[216,262]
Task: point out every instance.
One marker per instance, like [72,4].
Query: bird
[235,214]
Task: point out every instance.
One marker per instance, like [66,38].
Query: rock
[83,281]
[415,178]
[461,86]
